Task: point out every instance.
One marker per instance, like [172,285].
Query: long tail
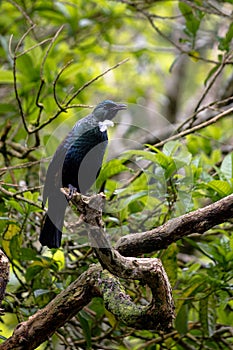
[51,231]
[50,235]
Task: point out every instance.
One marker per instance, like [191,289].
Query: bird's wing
[53,176]
[53,181]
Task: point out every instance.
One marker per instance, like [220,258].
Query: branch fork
[159,313]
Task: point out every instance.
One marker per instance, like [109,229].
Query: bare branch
[196,127]
[49,49]
[20,198]
[66,106]
[40,326]
[15,77]
[32,47]
[25,15]
[55,84]
[210,8]
[198,221]
[38,103]
[211,83]
[212,105]
[93,80]
[23,165]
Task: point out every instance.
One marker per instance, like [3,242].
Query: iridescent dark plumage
[76,163]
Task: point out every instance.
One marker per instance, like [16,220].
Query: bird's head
[106,110]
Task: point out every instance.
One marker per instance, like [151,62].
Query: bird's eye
[108,106]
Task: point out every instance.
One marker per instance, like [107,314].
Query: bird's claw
[72,191]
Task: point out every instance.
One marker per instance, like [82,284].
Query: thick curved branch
[198,221]
[40,326]
[159,313]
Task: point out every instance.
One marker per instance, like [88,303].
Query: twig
[14,57]
[66,106]
[217,73]
[49,48]
[211,9]
[40,105]
[23,12]
[196,127]
[93,80]
[27,189]
[20,151]
[24,165]
[149,16]
[55,84]
[209,106]
[15,195]
[32,47]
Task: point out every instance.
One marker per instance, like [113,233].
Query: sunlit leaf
[6,76]
[10,233]
[223,188]
[227,167]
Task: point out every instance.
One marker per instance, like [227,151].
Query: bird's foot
[72,191]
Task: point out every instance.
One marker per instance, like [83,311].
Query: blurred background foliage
[179,74]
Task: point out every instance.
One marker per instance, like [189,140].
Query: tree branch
[94,282]
[159,313]
[197,127]
[198,221]
[4,276]
[40,326]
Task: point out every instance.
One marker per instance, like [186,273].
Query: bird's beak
[120,106]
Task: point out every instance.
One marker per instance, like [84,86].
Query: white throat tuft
[105,124]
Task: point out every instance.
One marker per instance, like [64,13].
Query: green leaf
[32,271]
[186,294]
[207,314]
[169,260]
[28,254]
[192,17]
[171,147]
[6,77]
[144,154]
[84,321]
[181,322]
[224,43]
[14,203]
[134,197]
[7,108]
[227,167]
[113,167]
[11,231]
[15,246]
[182,158]
[223,188]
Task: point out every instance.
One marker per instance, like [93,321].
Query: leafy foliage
[145,186]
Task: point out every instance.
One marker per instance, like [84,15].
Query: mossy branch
[159,313]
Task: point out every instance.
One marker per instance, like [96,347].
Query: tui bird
[76,165]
